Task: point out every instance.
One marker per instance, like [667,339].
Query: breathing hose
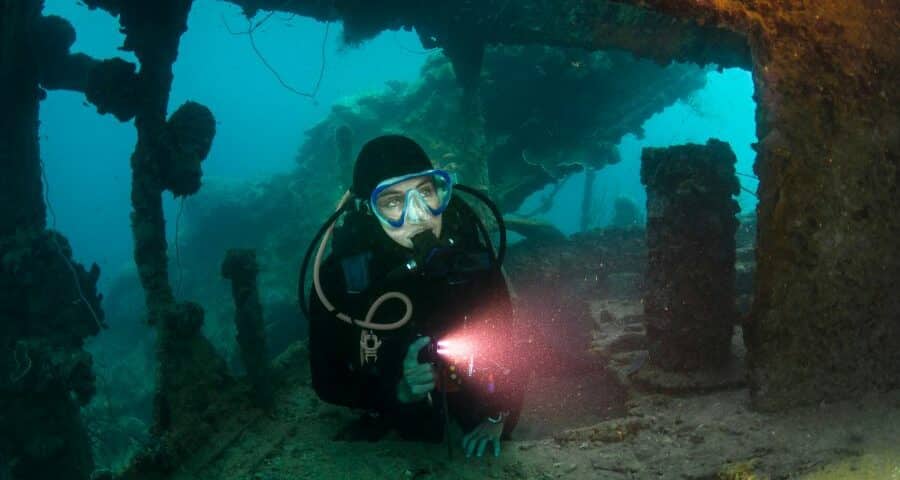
[324,234]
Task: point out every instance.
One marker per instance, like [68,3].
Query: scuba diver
[410,318]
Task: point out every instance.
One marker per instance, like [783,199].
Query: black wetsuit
[473,296]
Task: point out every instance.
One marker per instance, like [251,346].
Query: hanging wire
[59,248]
[251,28]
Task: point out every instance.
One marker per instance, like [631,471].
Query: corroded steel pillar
[689,302]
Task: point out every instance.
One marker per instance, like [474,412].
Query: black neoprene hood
[385,157]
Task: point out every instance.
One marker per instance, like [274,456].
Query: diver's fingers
[412,353]
[482,445]
[428,384]
[467,442]
[475,437]
[415,382]
[421,367]
[421,389]
[470,447]
[469,438]
[420,376]
[420,370]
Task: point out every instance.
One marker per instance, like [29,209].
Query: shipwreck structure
[825,323]
[689,304]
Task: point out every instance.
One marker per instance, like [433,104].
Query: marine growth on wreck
[682,210]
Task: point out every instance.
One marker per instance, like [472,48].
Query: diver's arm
[333,376]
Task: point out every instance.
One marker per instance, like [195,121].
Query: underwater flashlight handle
[429,353]
[449,378]
[452,372]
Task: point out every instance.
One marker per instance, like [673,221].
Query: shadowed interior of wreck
[825,320]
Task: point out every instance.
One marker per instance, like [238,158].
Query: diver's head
[394,176]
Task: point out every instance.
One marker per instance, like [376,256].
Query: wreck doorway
[610,241]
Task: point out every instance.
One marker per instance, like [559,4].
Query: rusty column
[240,268]
[689,302]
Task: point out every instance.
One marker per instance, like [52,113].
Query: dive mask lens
[410,195]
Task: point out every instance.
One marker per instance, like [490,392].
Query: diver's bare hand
[418,378]
[485,433]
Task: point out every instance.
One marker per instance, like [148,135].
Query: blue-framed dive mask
[411,198]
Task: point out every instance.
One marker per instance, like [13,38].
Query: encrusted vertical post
[691,224]
[167,156]
[21,193]
[48,303]
[240,268]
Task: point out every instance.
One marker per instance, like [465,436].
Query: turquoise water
[723,109]
[260,124]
